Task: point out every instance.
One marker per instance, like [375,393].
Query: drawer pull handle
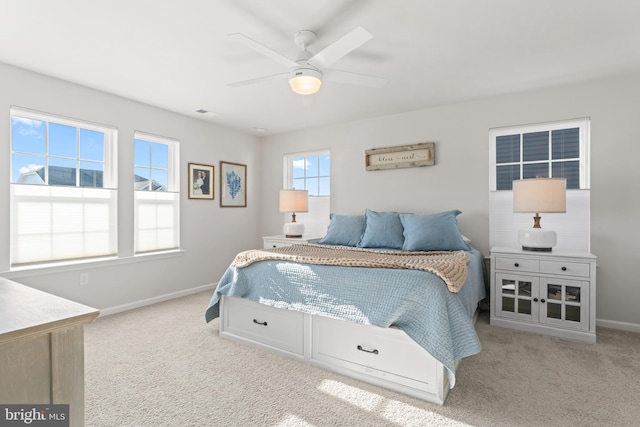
[516,264]
[564,269]
[374,351]
[260,323]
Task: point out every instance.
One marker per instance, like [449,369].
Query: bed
[385,298]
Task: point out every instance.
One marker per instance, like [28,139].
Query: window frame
[109,173]
[158,200]
[288,169]
[583,124]
[316,220]
[173,161]
[37,241]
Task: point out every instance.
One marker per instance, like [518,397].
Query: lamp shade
[305,81]
[294,201]
[540,195]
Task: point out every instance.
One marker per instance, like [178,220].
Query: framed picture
[201,181]
[233,185]
[405,156]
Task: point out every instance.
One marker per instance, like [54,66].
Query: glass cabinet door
[564,303]
[515,295]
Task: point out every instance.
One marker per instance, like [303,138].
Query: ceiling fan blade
[353,78]
[340,48]
[271,54]
[258,80]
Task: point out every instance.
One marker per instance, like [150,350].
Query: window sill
[60,267]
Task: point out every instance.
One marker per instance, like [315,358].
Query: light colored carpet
[162,365]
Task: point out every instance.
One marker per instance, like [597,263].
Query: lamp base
[537,239]
[293,229]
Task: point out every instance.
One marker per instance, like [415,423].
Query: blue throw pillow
[345,230]
[382,230]
[433,232]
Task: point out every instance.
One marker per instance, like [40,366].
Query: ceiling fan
[307,73]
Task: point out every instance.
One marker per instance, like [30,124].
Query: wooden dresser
[42,348]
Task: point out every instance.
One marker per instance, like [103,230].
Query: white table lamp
[539,195]
[294,201]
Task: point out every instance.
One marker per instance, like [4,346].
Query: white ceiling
[174,54]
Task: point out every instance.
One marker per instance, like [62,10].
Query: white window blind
[572,227]
[157,193]
[61,223]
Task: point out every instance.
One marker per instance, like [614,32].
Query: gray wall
[460,178]
[210,235]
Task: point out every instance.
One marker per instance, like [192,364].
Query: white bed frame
[385,357]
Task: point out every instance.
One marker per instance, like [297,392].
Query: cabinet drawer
[280,328]
[565,268]
[270,244]
[378,351]
[517,264]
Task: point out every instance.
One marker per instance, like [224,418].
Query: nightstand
[278,241]
[552,293]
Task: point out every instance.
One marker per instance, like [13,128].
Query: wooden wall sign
[405,156]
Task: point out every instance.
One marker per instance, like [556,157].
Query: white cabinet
[270,242]
[553,293]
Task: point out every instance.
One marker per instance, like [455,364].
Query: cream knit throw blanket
[449,266]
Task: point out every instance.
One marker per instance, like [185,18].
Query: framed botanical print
[201,181]
[233,185]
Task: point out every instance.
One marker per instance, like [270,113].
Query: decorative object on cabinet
[270,242]
[539,195]
[548,293]
[233,185]
[406,156]
[294,201]
[201,181]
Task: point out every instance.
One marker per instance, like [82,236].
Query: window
[157,193]
[557,150]
[311,171]
[63,189]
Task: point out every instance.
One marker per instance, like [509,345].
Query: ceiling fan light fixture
[305,81]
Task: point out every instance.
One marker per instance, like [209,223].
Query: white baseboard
[623,326]
[612,324]
[160,298]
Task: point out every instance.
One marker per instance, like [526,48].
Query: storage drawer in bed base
[281,330]
[315,340]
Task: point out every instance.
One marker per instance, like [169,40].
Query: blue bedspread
[417,302]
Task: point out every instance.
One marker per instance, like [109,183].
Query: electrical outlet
[84,279]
